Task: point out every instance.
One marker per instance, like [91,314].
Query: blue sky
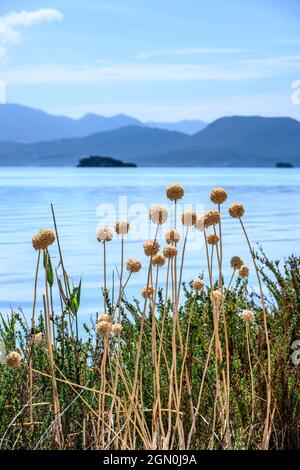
[156,59]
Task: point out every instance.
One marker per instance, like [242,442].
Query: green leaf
[78,295]
[50,274]
[6,327]
[74,304]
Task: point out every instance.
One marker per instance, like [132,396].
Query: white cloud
[136,72]
[288,41]
[10,24]
[188,52]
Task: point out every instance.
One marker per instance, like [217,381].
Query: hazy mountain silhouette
[23,124]
[228,141]
[124,143]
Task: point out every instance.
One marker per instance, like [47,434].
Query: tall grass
[185,366]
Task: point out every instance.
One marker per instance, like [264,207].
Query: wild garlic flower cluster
[105,327]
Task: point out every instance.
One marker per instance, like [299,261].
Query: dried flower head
[122,227]
[117,328]
[44,238]
[172,236]
[236,262]
[212,238]
[247,315]
[236,210]
[243,271]
[147,291]
[151,247]
[133,265]
[200,223]
[103,328]
[158,214]
[13,359]
[104,317]
[189,218]
[170,251]
[104,234]
[295,357]
[175,192]
[218,195]
[295,344]
[198,284]
[211,217]
[158,260]
[38,339]
[216,296]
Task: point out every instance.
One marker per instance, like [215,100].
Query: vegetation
[210,371]
[95,161]
[284,165]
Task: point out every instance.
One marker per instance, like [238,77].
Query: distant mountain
[238,141]
[229,141]
[187,126]
[23,124]
[125,143]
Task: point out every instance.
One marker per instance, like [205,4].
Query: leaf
[6,327]
[74,304]
[50,275]
[78,295]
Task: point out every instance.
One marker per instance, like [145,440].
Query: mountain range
[23,124]
[228,141]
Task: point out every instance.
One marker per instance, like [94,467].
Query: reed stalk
[267,428]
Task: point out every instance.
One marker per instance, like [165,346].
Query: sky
[162,60]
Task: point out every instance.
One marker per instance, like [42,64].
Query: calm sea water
[271,198]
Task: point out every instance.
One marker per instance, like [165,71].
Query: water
[271,198]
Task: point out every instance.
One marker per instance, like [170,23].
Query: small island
[284,165]
[103,162]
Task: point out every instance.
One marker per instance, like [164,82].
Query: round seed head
[218,195]
[198,284]
[38,339]
[104,234]
[236,262]
[117,328]
[212,239]
[236,210]
[295,357]
[44,238]
[147,292]
[216,296]
[158,260]
[105,317]
[247,315]
[13,360]
[175,192]
[243,271]
[158,214]
[133,265]
[211,217]
[189,218]
[170,251]
[122,227]
[172,236]
[103,328]
[151,247]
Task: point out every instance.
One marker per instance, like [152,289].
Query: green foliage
[78,359]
